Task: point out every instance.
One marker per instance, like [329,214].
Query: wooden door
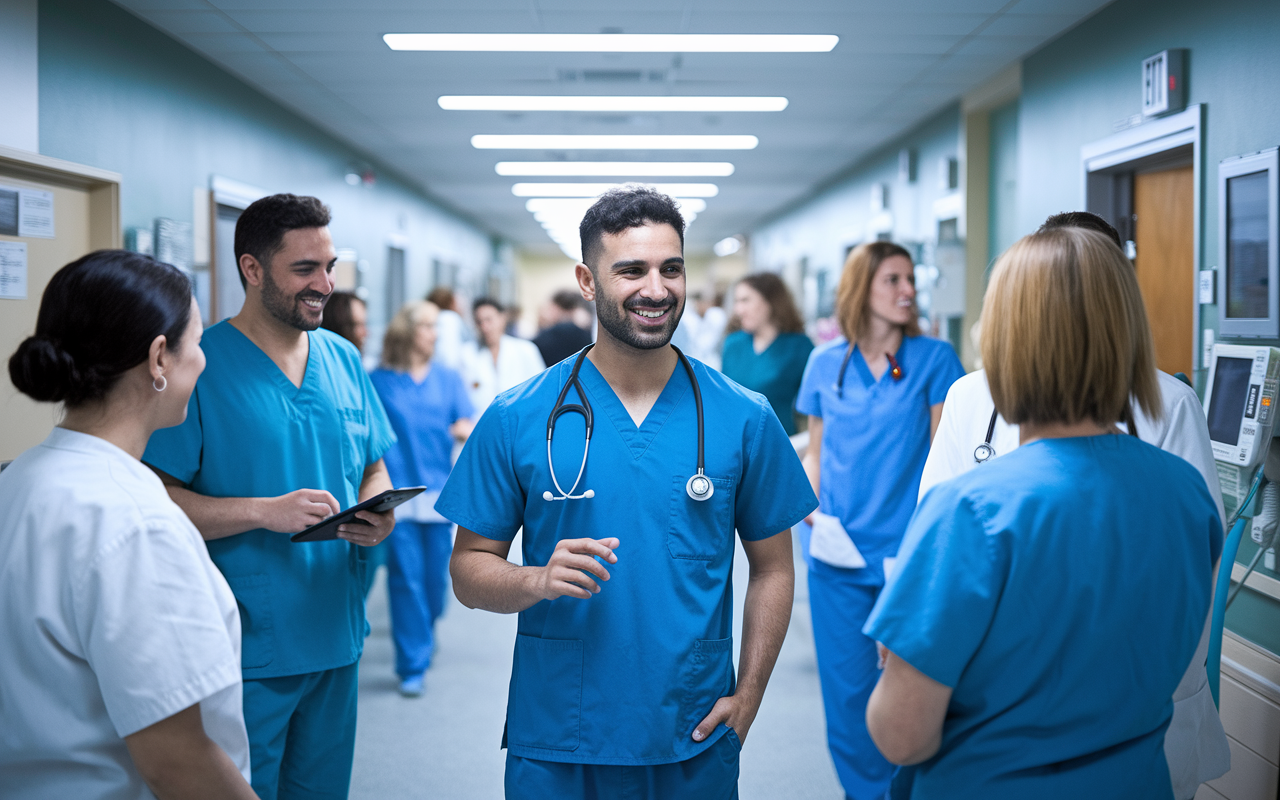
[86,217]
[1164,229]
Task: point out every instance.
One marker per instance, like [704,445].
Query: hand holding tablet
[328,528]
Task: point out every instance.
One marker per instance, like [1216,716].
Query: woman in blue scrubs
[874,399]
[429,409]
[769,349]
[1035,627]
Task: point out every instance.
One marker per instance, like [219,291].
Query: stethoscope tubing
[699,487]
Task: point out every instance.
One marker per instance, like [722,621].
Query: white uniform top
[113,618]
[518,361]
[1195,744]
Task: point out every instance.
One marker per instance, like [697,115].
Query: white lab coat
[518,361]
[1195,744]
[113,618]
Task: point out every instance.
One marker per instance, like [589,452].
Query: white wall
[19,75]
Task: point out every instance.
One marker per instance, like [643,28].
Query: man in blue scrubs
[623,681]
[283,430]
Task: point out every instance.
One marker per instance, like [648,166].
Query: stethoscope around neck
[698,487]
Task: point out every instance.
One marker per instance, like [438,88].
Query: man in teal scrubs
[623,681]
[285,429]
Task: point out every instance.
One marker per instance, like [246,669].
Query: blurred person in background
[452,335]
[768,349]
[498,361]
[347,315]
[874,399]
[561,336]
[706,327]
[429,409]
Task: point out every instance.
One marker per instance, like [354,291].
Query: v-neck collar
[859,365]
[281,380]
[605,401]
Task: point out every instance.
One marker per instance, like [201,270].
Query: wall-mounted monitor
[1248,246]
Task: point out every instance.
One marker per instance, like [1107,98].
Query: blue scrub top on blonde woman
[1060,591]
[625,676]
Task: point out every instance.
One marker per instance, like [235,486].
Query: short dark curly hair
[261,228]
[626,207]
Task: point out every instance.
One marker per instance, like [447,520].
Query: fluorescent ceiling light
[574,141]
[569,205]
[727,246]
[597,189]
[609,104]
[592,169]
[614,42]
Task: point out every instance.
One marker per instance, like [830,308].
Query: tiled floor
[445,744]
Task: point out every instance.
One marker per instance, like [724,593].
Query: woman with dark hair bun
[121,661]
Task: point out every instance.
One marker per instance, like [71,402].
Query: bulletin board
[72,210]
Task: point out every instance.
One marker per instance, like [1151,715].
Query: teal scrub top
[1060,590]
[420,415]
[875,439]
[250,432]
[775,373]
[625,676]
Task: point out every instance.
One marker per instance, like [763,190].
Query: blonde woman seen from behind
[1034,641]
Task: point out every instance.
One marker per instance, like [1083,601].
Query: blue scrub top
[1060,590]
[420,415]
[625,676]
[875,439]
[250,432]
[774,373]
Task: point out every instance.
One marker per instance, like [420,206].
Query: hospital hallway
[445,744]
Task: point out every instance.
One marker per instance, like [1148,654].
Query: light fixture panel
[614,42]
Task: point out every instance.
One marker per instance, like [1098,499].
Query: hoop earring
[163,384]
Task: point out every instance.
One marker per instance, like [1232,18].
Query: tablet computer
[327,528]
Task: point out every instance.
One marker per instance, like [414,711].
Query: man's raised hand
[572,570]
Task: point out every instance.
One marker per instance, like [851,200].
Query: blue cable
[1230,547]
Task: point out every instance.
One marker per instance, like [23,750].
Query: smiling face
[893,291]
[750,307]
[639,285]
[298,281]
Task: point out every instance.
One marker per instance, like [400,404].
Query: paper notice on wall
[9,210]
[35,213]
[26,212]
[13,270]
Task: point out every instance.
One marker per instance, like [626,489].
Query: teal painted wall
[116,93]
[1076,88]
[1002,217]
[819,231]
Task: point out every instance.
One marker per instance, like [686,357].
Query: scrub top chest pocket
[701,530]
[354,430]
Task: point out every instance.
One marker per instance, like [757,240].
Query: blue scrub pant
[710,775]
[417,582]
[302,733]
[839,605]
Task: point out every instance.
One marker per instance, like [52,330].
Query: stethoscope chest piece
[700,487]
[983,453]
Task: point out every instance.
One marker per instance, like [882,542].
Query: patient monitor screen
[1230,394]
